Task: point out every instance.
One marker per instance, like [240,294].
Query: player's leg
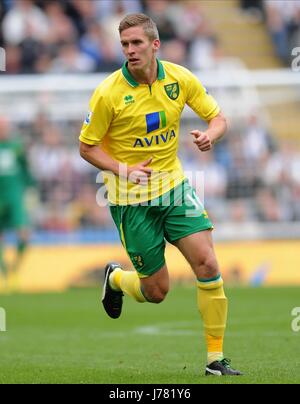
[19,222]
[22,245]
[155,287]
[141,233]
[152,288]
[198,250]
[212,302]
[188,227]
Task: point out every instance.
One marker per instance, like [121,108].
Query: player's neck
[147,75]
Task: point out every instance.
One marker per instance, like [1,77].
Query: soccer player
[131,134]
[14,177]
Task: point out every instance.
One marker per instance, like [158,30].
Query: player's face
[138,49]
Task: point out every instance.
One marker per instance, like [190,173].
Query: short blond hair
[135,20]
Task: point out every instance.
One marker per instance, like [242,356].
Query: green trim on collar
[130,80]
[160,70]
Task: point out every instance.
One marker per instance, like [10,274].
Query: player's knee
[207,267]
[157,295]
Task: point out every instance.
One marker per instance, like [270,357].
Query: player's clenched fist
[202,140]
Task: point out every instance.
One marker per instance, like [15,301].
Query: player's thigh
[185,214]
[199,251]
[188,227]
[142,234]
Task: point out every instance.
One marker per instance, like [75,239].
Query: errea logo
[128,99]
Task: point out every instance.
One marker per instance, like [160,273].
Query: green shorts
[144,229]
[12,213]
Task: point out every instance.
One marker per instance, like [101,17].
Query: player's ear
[156,44]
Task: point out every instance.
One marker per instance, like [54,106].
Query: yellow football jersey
[133,122]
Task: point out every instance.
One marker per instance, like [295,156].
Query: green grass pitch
[67,338]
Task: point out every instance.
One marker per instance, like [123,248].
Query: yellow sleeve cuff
[91,142]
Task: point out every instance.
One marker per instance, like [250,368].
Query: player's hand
[202,140]
[140,173]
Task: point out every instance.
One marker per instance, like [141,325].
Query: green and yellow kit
[133,122]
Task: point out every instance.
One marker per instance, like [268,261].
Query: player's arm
[206,107]
[95,128]
[101,160]
[98,158]
[217,127]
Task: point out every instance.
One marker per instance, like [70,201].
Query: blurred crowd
[282,19]
[247,177]
[75,36]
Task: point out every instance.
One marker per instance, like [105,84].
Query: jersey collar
[130,80]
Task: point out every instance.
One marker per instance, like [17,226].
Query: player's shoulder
[109,84]
[170,67]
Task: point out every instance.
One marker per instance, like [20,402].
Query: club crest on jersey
[137,259]
[172,90]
